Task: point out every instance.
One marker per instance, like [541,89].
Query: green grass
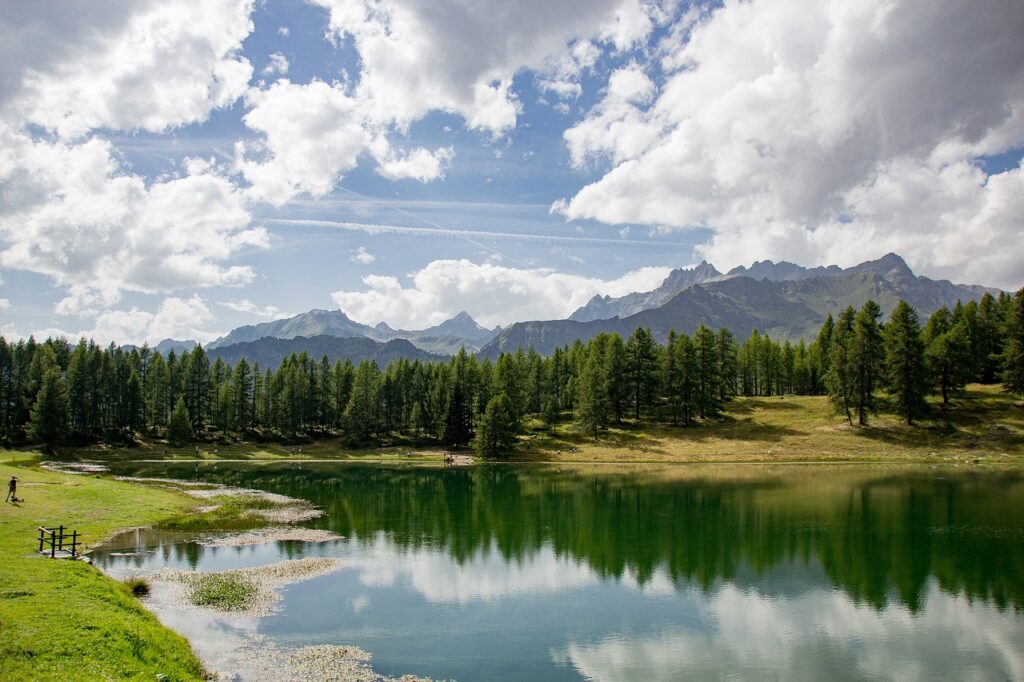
[65,620]
[223,591]
[981,424]
[139,587]
[233,513]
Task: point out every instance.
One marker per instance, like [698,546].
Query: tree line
[55,392]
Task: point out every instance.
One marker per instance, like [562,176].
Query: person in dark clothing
[12,490]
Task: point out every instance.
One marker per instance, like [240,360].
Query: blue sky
[175,171]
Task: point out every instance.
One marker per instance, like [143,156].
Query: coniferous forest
[56,393]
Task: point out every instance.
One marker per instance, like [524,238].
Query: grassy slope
[66,620]
[982,423]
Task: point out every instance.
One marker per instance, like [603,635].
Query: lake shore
[981,424]
[110,632]
[66,619]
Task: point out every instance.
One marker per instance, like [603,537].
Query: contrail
[438,230]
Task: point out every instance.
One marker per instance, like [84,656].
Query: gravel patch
[260,659]
[273,534]
[285,510]
[262,582]
[73,467]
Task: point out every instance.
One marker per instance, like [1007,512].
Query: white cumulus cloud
[491,293]
[71,212]
[138,64]
[361,255]
[176,318]
[244,305]
[278,65]
[423,55]
[823,132]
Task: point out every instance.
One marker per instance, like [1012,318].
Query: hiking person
[12,490]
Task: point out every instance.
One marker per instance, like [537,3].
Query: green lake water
[634,573]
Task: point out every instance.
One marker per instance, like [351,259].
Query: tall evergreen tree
[948,353]
[707,379]
[179,426]
[361,414]
[642,367]
[905,362]
[867,357]
[49,414]
[592,410]
[497,431]
[1013,352]
[457,427]
[839,378]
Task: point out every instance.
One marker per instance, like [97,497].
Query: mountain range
[270,351]
[784,300]
[445,338]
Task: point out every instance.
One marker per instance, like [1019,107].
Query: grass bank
[65,619]
[981,424]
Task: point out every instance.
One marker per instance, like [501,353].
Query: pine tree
[1013,351]
[361,415]
[592,403]
[196,386]
[867,356]
[134,404]
[905,362]
[457,419]
[179,427]
[497,431]
[728,364]
[819,369]
[549,412]
[642,367]
[948,352]
[671,375]
[242,392]
[839,379]
[49,414]
[708,377]
[615,372]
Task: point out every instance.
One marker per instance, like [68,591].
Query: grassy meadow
[981,422]
[65,620]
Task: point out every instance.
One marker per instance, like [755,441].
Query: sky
[171,168]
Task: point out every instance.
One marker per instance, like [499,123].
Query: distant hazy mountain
[782,271]
[604,307]
[269,351]
[313,323]
[791,306]
[445,338]
[167,345]
[461,326]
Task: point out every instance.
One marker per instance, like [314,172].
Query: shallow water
[634,573]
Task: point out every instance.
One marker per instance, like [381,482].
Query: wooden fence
[58,544]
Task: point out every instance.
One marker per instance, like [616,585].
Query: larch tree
[1013,351]
[906,369]
[49,413]
[839,377]
[867,357]
[179,427]
[948,352]
[497,430]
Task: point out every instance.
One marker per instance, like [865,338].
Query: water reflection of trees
[877,536]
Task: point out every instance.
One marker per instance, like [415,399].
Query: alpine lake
[605,572]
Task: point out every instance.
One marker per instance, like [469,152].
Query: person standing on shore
[12,490]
